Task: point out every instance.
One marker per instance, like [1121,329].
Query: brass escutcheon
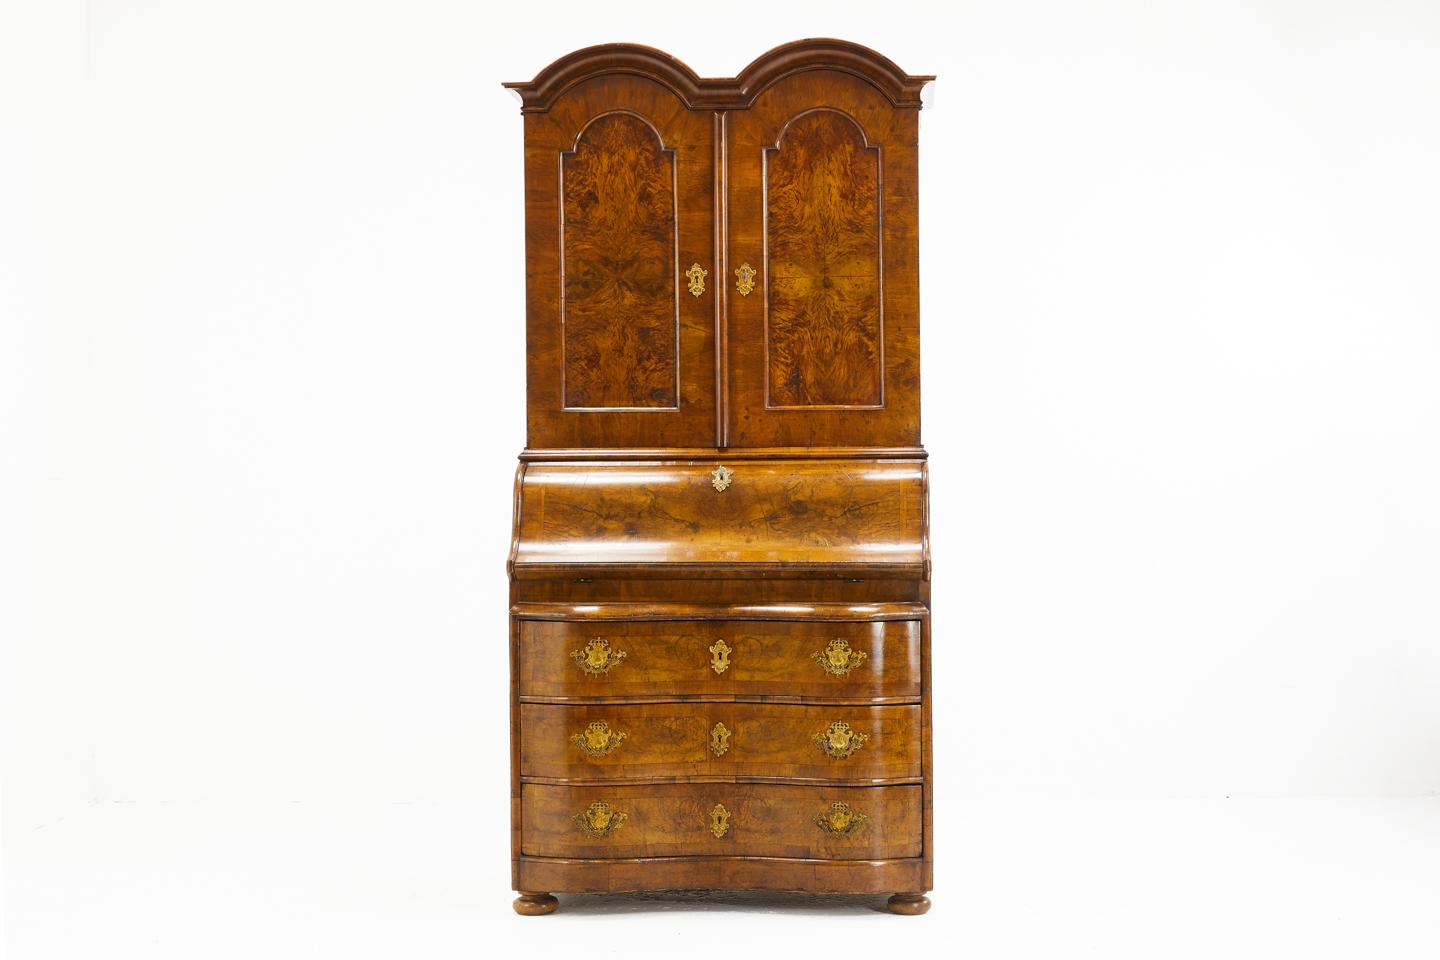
[744,279]
[837,659]
[719,656]
[719,739]
[720,478]
[719,820]
[597,658]
[599,820]
[839,741]
[598,739]
[696,275]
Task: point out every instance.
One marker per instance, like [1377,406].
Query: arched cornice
[701,93]
[608,59]
[901,88]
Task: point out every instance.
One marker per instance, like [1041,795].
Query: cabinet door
[620,224]
[824,349]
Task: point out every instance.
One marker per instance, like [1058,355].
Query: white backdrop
[1181,321]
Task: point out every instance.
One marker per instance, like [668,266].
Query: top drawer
[736,518]
[608,657]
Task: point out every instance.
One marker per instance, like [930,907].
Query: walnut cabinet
[720,576]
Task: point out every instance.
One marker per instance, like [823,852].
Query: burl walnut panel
[822,243]
[668,820]
[801,517]
[620,309]
[725,740]
[665,659]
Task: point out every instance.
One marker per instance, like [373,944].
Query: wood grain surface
[822,241]
[667,820]
[619,199]
[670,659]
[861,515]
[673,740]
[719,872]
[620,309]
[818,164]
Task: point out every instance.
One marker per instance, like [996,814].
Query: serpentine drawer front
[668,820]
[606,659]
[740,740]
[719,566]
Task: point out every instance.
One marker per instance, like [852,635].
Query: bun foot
[905,904]
[530,904]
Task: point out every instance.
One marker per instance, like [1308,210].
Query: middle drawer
[676,740]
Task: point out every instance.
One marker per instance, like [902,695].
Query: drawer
[669,740]
[589,659]
[757,820]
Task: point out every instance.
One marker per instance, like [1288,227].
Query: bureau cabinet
[719,574]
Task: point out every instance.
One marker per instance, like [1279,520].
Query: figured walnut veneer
[782,658]
[720,566]
[822,239]
[765,741]
[840,516]
[672,820]
[620,308]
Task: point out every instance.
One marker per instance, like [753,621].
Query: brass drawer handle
[744,279]
[696,275]
[719,739]
[719,820]
[720,478]
[837,659]
[599,820]
[598,740]
[838,741]
[719,656]
[840,820]
[597,658]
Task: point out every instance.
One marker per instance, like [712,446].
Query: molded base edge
[720,873]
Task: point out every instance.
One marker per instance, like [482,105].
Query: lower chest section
[709,739]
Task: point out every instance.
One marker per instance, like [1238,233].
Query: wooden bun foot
[905,904]
[530,904]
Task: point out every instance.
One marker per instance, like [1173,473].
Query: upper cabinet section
[722,263]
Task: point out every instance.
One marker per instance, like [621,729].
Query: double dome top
[902,89]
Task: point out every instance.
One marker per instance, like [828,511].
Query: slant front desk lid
[721,518]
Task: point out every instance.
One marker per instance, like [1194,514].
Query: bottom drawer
[721,819]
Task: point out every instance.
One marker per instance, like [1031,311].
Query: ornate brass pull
[599,820]
[837,659]
[840,820]
[696,275]
[720,478]
[719,656]
[597,658]
[744,279]
[598,739]
[719,739]
[839,741]
[719,820]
